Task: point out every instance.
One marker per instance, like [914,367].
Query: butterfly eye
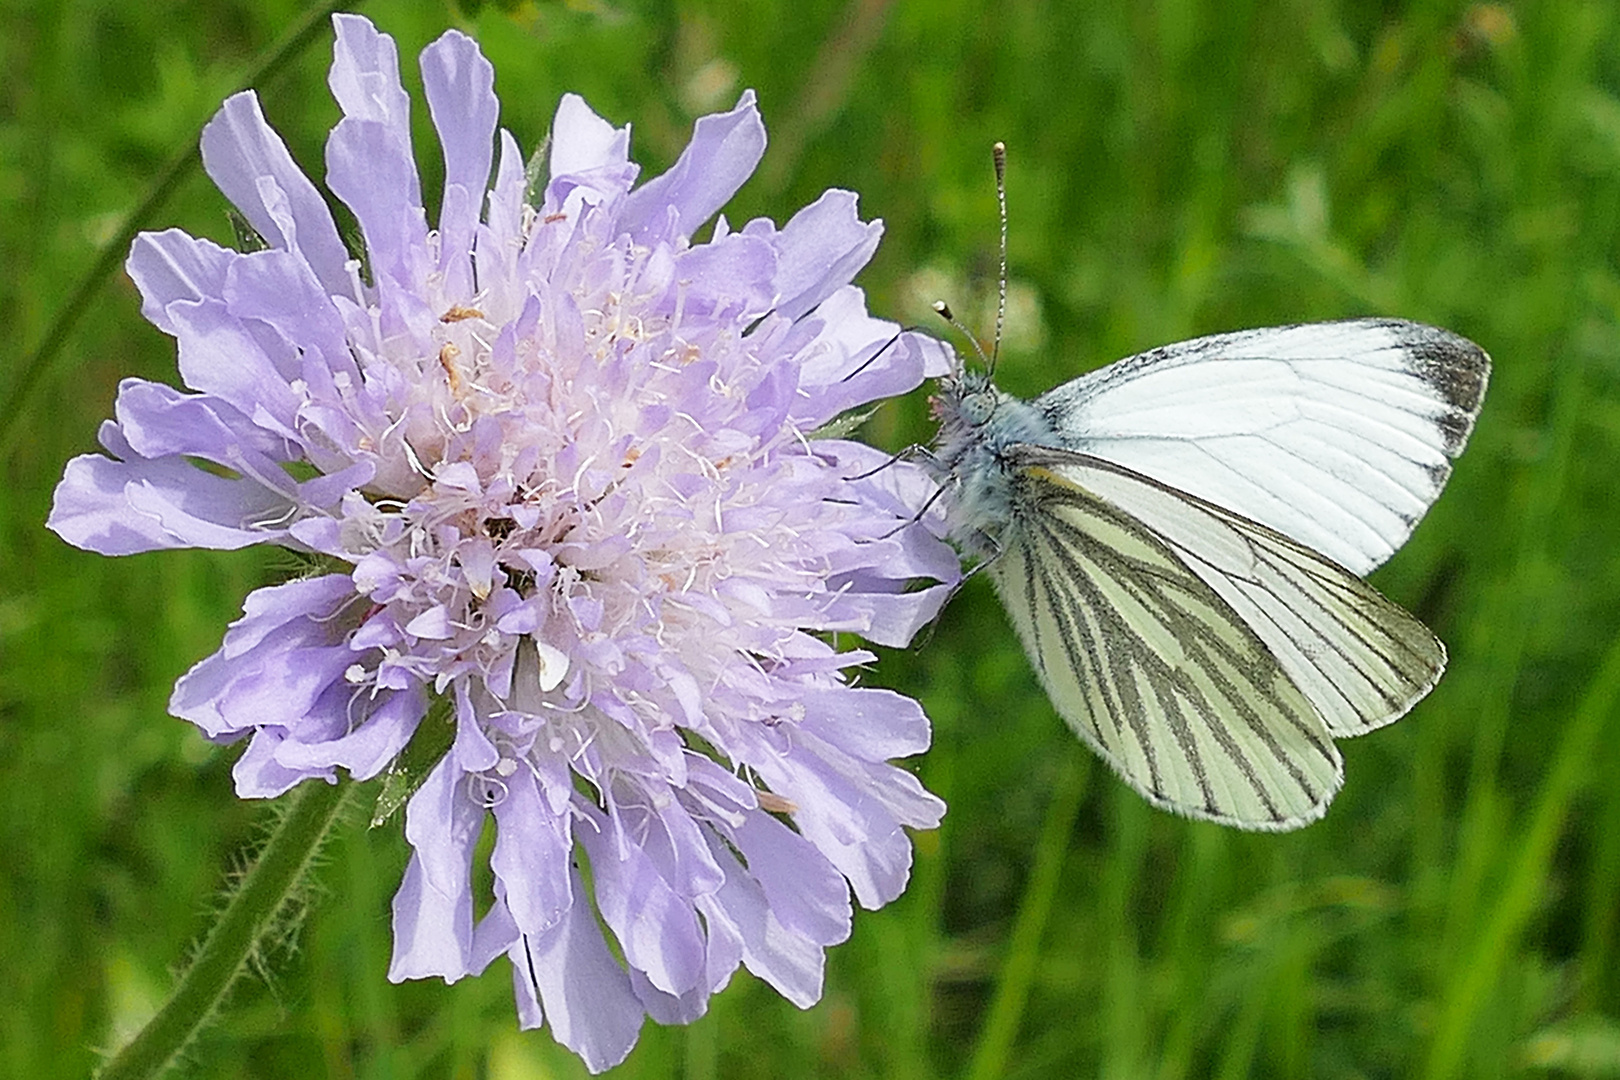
[977,407]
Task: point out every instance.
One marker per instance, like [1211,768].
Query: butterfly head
[971,414]
[966,400]
[965,397]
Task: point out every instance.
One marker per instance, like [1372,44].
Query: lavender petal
[724,149]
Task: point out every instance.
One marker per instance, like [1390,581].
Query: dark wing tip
[1455,367]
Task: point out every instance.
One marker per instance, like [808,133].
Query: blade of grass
[1023,948]
[1506,627]
[1516,903]
[41,359]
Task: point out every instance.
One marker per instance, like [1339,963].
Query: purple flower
[556,459]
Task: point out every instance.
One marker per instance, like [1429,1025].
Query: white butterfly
[1178,537]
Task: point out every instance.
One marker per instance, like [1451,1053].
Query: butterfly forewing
[1151,666]
[1339,435]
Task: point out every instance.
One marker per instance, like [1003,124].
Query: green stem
[252,913]
[39,362]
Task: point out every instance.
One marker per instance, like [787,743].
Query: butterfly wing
[1360,659]
[1339,435]
[1147,662]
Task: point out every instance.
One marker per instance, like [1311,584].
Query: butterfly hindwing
[1360,659]
[1151,667]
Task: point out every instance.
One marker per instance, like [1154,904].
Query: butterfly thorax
[977,423]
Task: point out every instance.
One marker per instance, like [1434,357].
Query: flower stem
[251,914]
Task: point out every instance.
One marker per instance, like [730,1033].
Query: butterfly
[1179,539]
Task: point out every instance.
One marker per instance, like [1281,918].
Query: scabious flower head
[555,455]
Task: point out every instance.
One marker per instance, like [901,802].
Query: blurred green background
[1178,167]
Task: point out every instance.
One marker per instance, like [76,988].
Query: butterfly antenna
[944,311]
[999,153]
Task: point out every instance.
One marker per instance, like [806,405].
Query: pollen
[773,803]
[447,360]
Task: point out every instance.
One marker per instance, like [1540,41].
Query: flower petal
[805,892]
[582,142]
[222,356]
[728,276]
[275,661]
[258,775]
[170,265]
[159,421]
[724,149]
[866,722]
[387,727]
[819,250]
[586,994]
[120,507]
[433,909]
[669,1008]
[460,88]
[368,155]
[530,859]
[276,289]
[853,359]
[852,811]
[789,961]
[251,165]
[655,926]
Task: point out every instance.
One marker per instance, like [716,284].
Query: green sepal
[410,768]
[535,172]
[354,242]
[841,427]
[248,239]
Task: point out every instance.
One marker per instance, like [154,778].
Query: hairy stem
[251,915]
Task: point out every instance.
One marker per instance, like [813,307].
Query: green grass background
[1178,167]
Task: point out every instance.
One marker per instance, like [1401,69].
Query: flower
[554,460]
